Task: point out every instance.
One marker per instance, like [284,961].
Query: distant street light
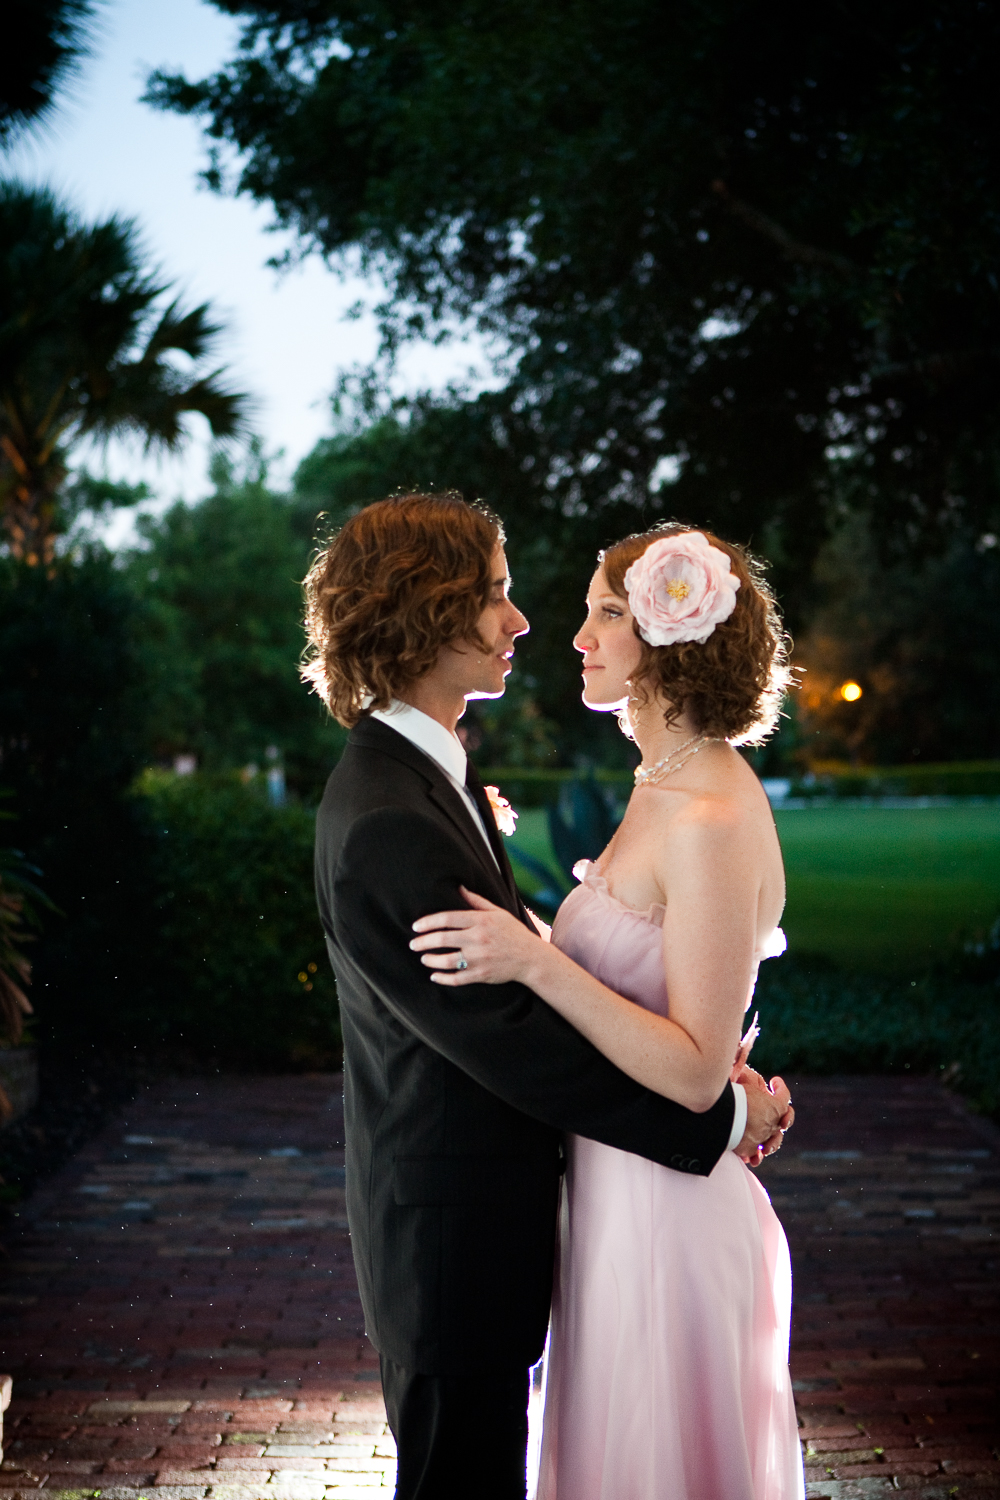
[850,691]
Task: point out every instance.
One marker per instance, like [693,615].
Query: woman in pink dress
[667,1367]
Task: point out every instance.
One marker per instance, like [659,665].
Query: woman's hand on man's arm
[496,947]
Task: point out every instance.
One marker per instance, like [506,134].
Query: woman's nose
[585,640]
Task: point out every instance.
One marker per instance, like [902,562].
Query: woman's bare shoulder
[727,804]
[671,829]
[724,804]
[707,816]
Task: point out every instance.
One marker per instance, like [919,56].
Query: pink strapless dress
[666,1375]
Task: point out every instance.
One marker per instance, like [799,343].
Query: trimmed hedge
[240,972]
[536,787]
[972,778]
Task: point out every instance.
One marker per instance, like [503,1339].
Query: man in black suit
[456,1100]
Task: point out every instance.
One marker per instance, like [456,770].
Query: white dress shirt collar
[444,747]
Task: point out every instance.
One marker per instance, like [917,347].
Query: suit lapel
[450,803]
[370,734]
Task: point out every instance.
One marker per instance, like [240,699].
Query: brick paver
[890,1194]
[180,1315]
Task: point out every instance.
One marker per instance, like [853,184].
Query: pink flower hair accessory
[680,589]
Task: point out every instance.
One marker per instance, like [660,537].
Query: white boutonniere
[506,817]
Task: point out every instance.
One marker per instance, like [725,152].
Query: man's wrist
[739,1116]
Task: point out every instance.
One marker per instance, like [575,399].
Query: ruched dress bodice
[620,946]
[667,1368]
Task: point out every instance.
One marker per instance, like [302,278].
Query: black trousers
[459,1437]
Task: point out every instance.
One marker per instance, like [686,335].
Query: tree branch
[791,248]
[947,365]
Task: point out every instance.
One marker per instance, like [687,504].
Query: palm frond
[87,348]
[190,333]
[151,400]
[51,38]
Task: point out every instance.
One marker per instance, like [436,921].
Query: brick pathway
[890,1195]
[179,1307]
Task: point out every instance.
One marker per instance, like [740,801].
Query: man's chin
[486,693]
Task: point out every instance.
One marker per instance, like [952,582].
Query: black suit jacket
[456,1098]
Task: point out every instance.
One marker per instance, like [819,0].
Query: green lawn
[883,887]
[533,837]
[872,888]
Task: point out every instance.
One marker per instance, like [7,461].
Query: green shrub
[239,973]
[185,908]
[819,1019]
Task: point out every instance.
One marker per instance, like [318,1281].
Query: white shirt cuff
[739,1117]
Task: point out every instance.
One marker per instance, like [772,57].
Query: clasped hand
[495,946]
[769,1115]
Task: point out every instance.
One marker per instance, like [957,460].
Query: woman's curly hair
[732,686]
[401,579]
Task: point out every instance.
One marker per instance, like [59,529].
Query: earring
[623,716]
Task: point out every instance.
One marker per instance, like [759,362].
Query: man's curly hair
[731,686]
[401,579]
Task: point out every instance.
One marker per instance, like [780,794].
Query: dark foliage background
[186,908]
[738,262]
[923,642]
[221,631]
[70,747]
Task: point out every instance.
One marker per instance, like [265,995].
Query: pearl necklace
[674,761]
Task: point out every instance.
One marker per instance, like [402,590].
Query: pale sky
[286,339]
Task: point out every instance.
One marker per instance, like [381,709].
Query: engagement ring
[463,963]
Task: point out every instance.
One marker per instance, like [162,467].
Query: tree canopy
[220,634]
[930,675]
[756,241]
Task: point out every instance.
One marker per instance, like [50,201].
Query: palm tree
[20,899]
[17,892]
[86,352]
[52,37]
